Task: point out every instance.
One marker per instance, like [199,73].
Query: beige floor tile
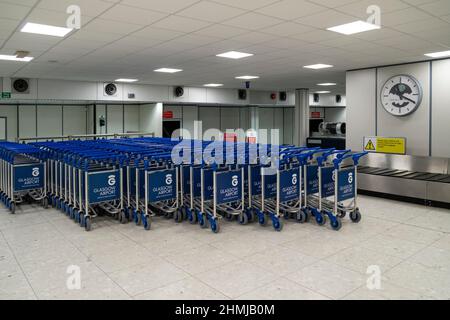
[328,279]
[186,289]
[359,259]
[282,289]
[237,278]
[388,291]
[387,244]
[281,260]
[142,278]
[16,287]
[415,234]
[421,279]
[201,259]
[97,288]
[443,243]
[433,219]
[434,258]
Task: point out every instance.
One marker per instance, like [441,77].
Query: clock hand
[406,98]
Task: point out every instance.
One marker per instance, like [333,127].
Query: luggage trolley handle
[355,157]
[339,155]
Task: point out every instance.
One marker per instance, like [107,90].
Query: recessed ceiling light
[318,66]
[14,58]
[247,77]
[440,54]
[45,29]
[327,84]
[234,55]
[168,70]
[126,80]
[213,85]
[354,27]
[323,92]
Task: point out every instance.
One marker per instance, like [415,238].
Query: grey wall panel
[229,119]
[190,115]
[49,121]
[266,118]
[27,121]
[100,111]
[288,126]
[210,117]
[335,114]
[75,118]
[279,124]
[10,113]
[131,120]
[415,127]
[361,107]
[114,118]
[176,110]
[150,118]
[441,109]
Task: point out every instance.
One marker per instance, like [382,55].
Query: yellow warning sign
[370,146]
[385,145]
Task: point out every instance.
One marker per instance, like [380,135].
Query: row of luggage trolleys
[136,179]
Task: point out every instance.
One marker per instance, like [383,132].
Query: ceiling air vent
[20,86]
[178,92]
[110,89]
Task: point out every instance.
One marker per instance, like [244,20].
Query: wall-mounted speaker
[316,98]
[110,89]
[283,96]
[20,86]
[242,94]
[338,98]
[178,92]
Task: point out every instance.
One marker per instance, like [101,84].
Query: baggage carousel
[420,179]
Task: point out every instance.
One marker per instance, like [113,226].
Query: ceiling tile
[221,31]
[291,9]
[169,6]
[140,16]
[12,11]
[253,21]
[326,19]
[212,12]
[247,4]
[180,24]
[359,8]
[91,8]
[437,8]
[403,16]
[286,29]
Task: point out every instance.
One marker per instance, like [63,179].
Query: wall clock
[401,95]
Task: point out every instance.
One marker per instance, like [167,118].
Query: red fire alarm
[273,96]
[168,115]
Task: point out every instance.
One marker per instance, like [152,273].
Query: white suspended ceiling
[131,38]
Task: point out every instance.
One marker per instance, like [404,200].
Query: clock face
[401,95]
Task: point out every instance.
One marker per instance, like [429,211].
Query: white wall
[150,118]
[361,107]
[441,109]
[10,112]
[432,117]
[49,122]
[27,122]
[415,127]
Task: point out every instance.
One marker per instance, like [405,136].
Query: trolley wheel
[355,216]
[250,215]
[243,218]
[178,216]
[123,217]
[82,221]
[202,221]
[262,219]
[277,224]
[87,223]
[146,222]
[301,217]
[341,214]
[45,203]
[336,223]
[215,226]
[12,208]
[138,218]
[229,217]
[320,218]
[192,216]
[76,217]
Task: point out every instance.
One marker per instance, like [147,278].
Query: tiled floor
[409,243]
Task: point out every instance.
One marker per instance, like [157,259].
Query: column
[301,117]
